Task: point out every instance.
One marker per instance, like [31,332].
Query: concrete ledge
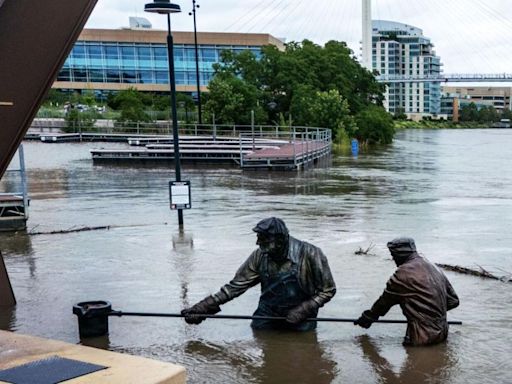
[17,349]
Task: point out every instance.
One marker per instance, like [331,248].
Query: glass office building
[109,60]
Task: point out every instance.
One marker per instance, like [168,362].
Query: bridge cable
[248,14]
[256,21]
[290,15]
[276,16]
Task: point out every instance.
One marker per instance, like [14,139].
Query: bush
[375,126]
[77,121]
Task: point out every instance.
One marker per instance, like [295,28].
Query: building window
[113,76]
[111,52]
[162,77]
[145,77]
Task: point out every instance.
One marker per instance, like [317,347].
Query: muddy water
[450,190]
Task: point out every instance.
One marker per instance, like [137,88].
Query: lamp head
[162,7]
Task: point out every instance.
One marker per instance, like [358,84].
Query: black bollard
[92,317]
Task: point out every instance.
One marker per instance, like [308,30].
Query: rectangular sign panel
[180,194]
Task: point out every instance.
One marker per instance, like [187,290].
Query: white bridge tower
[367,35]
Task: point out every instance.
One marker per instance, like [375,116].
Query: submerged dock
[13,215]
[248,147]
[14,203]
[269,155]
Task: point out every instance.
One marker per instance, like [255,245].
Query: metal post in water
[241,152]
[214,128]
[252,128]
[23,180]
[293,144]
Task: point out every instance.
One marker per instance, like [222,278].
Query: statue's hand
[366,319]
[207,306]
[301,312]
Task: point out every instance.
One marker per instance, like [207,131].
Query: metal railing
[20,189]
[307,144]
[164,128]
[443,78]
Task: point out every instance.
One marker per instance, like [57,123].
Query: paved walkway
[17,349]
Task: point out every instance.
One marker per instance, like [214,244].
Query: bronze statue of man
[422,291]
[294,275]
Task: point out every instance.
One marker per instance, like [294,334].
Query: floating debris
[82,229]
[481,272]
[366,251]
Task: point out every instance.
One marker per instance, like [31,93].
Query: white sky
[470,36]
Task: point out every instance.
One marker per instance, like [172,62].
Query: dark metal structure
[165,7]
[198,79]
[35,39]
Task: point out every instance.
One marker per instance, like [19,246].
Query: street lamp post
[198,81]
[165,7]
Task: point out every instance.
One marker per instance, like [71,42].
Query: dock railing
[306,144]
[272,145]
[164,128]
[14,200]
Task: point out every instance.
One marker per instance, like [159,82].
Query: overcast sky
[470,36]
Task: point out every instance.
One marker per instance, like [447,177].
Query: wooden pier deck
[12,213]
[261,147]
[270,156]
[209,154]
[288,156]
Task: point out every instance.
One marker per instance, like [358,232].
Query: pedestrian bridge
[448,78]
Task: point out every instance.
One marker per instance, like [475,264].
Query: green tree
[55,97]
[469,112]
[231,100]
[280,74]
[88,98]
[400,114]
[375,126]
[488,115]
[506,114]
[330,110]
[77,121]
[313,84]
[130,103]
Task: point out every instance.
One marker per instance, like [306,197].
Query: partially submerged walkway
[17,349]
[288,156]
[250,147]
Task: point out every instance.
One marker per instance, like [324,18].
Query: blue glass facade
[141,63]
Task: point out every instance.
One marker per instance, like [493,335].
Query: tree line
[485,114]
[306,85]
[303,85]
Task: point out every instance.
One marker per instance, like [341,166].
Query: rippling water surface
[449,189]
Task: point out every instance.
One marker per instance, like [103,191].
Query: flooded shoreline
[447,189]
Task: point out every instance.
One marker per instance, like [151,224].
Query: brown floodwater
[449,189]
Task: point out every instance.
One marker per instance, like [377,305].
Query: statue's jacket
[425,295]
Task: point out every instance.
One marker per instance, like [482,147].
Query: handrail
[165,129]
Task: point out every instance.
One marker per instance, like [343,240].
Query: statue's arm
[247,276]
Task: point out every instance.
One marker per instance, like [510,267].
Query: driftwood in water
[362,251]
[71,230]
[480,273]
[82,229]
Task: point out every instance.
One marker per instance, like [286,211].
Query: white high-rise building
[401,49]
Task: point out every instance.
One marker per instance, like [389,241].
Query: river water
[449,189]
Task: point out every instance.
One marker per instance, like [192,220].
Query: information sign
[180,194]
